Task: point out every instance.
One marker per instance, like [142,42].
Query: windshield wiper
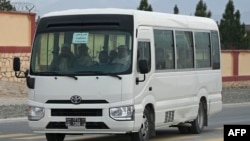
[59,74]
[114,75]
[99,73]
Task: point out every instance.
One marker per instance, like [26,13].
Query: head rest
[65,45]
[122,47]
[83,46]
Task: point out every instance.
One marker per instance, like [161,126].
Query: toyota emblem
[76,99]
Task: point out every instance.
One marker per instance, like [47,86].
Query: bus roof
[156,19]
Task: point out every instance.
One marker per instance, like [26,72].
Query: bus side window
[215,50]
[143,53]
[185,51]
[164,49]
[203,49]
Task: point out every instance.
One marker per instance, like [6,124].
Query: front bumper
[95,123]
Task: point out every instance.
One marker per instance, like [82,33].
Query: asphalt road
[18,130]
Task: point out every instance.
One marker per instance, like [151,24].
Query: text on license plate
[75,122]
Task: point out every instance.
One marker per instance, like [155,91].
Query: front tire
[144,132]
[55,137]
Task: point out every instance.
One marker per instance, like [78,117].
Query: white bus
[139,71]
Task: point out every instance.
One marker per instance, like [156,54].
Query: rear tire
[198,124]
[55,137]
[144,132]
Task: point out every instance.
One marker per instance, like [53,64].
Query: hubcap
[145,127]
[200,118]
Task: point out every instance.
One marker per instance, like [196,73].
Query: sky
[186,7]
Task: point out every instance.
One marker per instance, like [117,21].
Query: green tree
[6,6]
[176,9]
[145,6]
[201,10]
[232,32]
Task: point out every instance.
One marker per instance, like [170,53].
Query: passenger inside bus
[83,57]
[160,59]
[184,59]
[64,61]
[112,55]
[169,62]
[122,56]
[103,58]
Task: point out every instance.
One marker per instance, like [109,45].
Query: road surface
[18,130]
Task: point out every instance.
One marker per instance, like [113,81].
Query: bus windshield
[99,52]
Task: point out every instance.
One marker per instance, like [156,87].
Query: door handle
[150,88]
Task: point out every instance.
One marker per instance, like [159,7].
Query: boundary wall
[235,65]
[16,36]
[17,32]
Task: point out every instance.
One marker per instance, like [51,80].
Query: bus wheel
[144,133]
[198,123]
[55,137]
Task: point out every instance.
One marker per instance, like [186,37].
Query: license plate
[75,122]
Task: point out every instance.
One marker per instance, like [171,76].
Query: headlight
[35,113]
[122,113]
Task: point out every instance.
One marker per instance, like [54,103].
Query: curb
[7,120]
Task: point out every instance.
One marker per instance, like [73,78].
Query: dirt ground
[13,93]
[11,89]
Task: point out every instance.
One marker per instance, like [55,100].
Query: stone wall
[6,66]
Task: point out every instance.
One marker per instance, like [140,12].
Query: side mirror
[16,64]
[143,66]
[16,68]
